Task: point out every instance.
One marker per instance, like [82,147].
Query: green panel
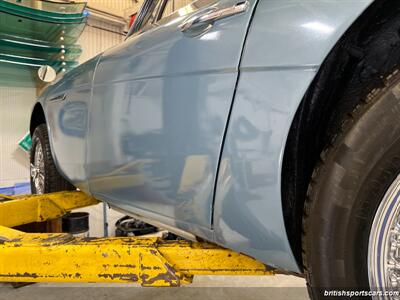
[36,62]
[26,142]
[34,33]
[51,6]
[40,49]
[17,75]
[40,15]
[33,29]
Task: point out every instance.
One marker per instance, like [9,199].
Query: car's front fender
[287,43]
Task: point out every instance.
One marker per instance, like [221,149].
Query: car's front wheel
[351,222]
[44,175]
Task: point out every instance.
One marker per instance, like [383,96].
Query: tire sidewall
[347,188]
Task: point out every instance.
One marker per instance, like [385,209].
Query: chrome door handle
[61,97]
[210,16]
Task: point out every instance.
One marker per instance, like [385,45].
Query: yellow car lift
[60,257]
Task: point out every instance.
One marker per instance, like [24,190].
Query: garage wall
[15,108]
[113,4]
[97,37]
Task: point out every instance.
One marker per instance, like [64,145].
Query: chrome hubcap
[384,244]
[37,169]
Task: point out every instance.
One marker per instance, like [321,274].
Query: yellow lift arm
[30,257]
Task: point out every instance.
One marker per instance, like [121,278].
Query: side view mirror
[47,73]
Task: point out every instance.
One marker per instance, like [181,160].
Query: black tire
[347,186]
[53,181]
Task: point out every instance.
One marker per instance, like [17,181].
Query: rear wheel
[44,175]
[351,221]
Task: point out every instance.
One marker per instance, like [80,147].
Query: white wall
[97,37]
[15,108]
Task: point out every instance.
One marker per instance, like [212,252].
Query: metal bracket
[51,257]
[15,211]
[27,257]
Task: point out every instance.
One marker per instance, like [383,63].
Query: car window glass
[150,9]
[150,16]
[172,6]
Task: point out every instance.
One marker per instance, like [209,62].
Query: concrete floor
[203,287]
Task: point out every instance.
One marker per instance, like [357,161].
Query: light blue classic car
[270,127]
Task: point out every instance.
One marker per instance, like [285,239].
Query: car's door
[160,106]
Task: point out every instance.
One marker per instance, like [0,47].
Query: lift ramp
[61,257]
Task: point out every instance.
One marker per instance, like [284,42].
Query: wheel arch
[323,107]
[37,117]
